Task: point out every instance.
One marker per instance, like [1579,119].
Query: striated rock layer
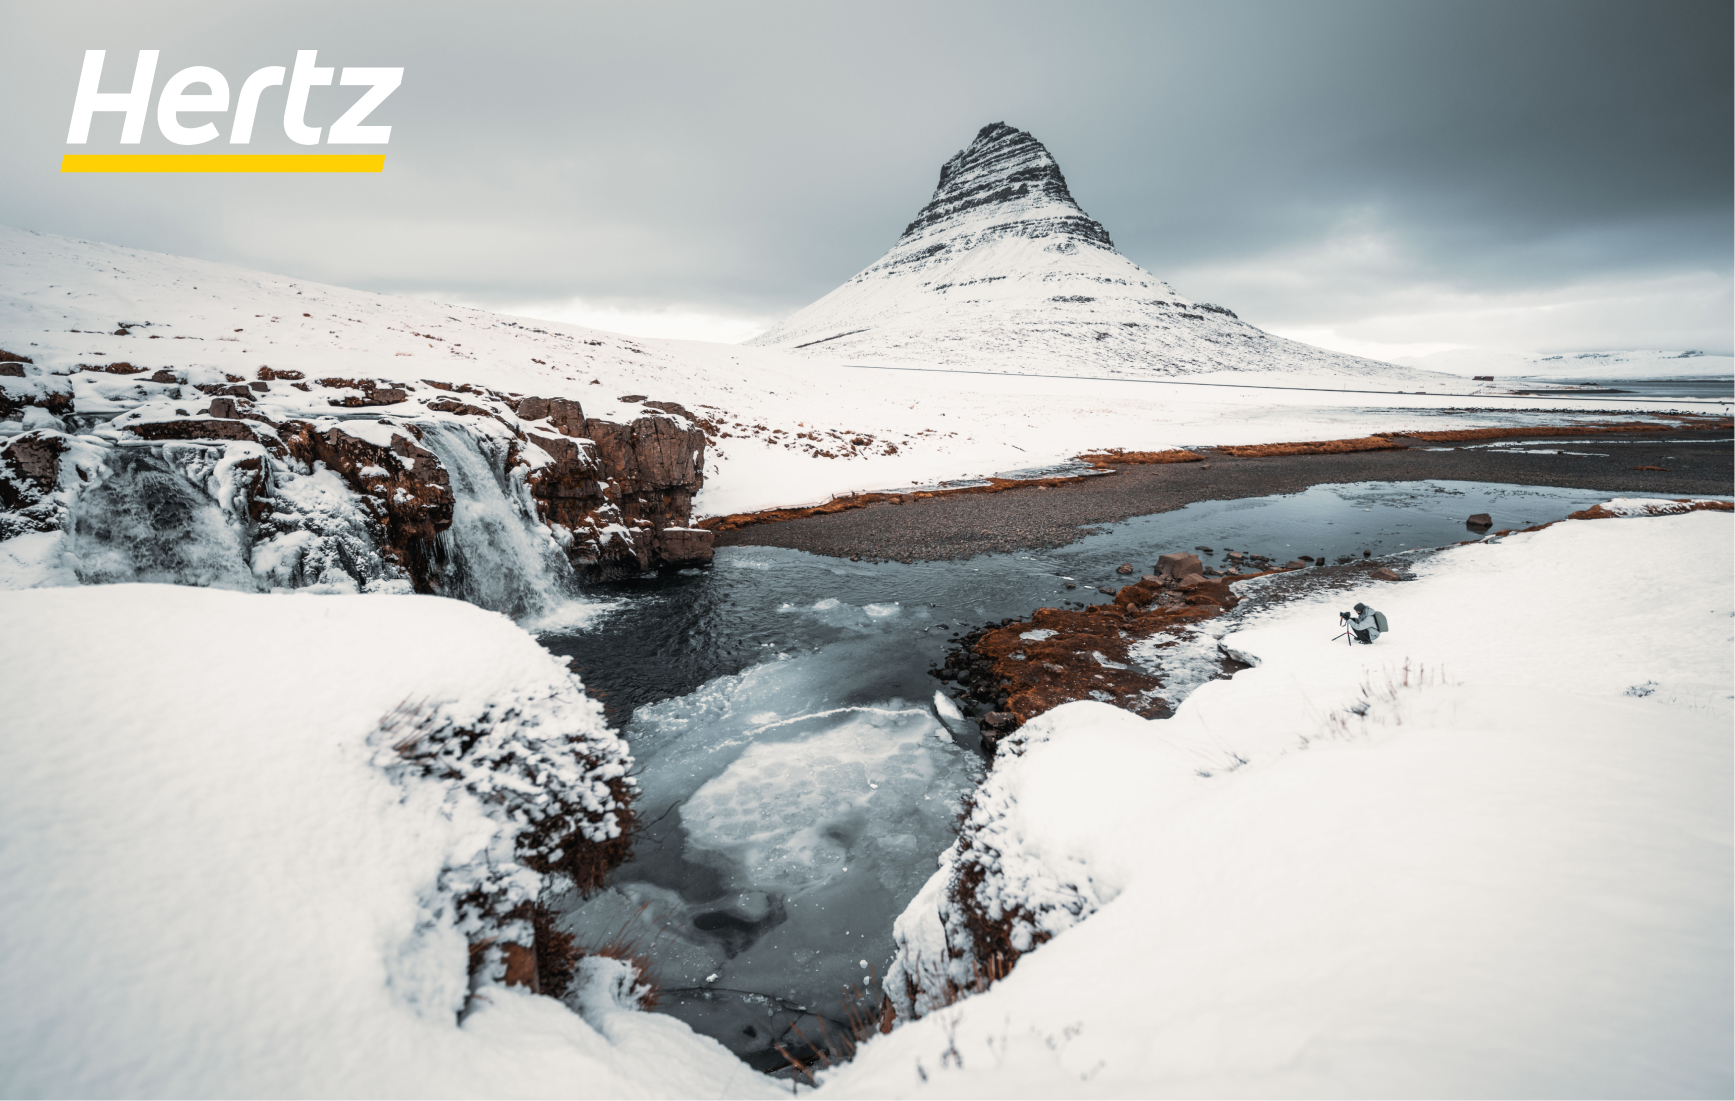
[285,482]
[1003,271]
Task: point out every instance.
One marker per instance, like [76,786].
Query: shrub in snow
[558,787]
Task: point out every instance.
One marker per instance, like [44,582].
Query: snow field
[209,886]
[61,300]
[1509,876]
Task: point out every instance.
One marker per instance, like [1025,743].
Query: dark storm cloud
[1309,163]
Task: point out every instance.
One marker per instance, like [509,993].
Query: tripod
[1348,631]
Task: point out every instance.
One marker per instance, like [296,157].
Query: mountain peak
[1004,176]
[1002,271]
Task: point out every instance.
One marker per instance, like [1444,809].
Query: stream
[796,785]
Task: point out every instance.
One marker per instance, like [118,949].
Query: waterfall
[497,553]
[147,522]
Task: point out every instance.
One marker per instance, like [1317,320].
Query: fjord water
[796,786]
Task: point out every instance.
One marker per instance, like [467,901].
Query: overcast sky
[1385,178]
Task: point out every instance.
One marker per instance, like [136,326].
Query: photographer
[1363,623]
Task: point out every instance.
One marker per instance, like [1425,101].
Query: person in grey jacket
[1363,623]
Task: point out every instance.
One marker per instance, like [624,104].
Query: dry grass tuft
[864,1017]
[1101,459]
[1315,447]
[1515,432]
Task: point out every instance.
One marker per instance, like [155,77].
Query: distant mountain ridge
[1003,270]
[1613,364]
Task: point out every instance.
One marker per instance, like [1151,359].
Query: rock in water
[1003,270]
[1179,565]
[1480,520]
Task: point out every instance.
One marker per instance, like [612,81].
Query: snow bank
[1489,855]
[235,827]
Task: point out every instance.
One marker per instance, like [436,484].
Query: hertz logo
[177,101]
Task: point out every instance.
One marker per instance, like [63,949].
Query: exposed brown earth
[1316,447]
[1115,456]
[1086,655]
[1701,423]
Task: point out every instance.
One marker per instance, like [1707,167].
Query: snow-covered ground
[1575,365]
[790,428]
[215,880]
[1489,855]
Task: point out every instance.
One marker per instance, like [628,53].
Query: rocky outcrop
[615,497]
[1003,171]
[29,474]
[1021,668]
[401,484]
[29,467]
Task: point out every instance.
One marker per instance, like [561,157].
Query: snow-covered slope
[219,876]
[1003,271]
[1487,856]
[1574,365]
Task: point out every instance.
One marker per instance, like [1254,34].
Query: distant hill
[1629,364]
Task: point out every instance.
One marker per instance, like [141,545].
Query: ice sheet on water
[793,815]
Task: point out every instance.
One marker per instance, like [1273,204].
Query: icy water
[796,786]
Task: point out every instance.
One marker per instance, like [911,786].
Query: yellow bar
[223,162]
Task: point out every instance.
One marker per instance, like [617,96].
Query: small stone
[1124,567]
[1386,573]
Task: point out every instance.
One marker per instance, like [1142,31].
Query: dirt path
[967,524]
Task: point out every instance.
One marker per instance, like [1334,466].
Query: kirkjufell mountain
[1003,271]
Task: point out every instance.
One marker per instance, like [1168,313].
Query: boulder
[29,467]
[1480,520]
[1179,565]
[566,416]
[684,546]
[1124,567]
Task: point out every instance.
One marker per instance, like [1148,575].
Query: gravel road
[968,524]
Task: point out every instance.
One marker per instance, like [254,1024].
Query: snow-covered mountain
[1003,271]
